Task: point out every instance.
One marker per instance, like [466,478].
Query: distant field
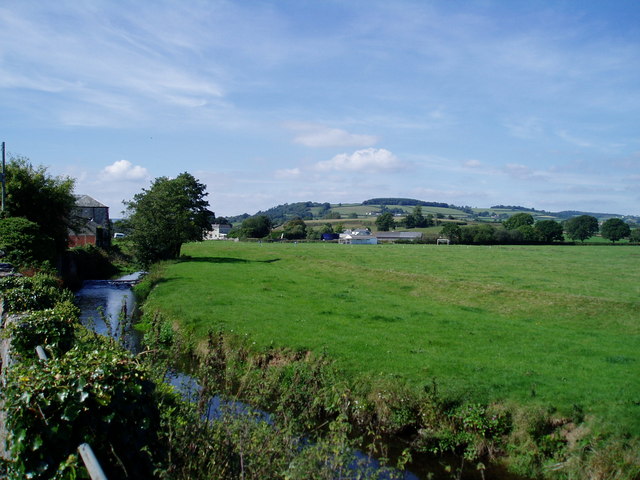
[556,326]
[363,210]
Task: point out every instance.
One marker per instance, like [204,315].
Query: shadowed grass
[555,326]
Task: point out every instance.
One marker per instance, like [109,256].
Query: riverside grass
[555,327]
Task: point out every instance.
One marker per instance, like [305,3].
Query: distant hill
[399,206]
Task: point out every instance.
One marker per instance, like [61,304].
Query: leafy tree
[615,229]
[313,234]
[255,227]
[581,227]
[23,243]
[452,231]
[528,233]
[35,195]
[518,220]
[549,231]
[634,236]
[385,222]
[326,228]
[171,212]
[483,234]
[295,229]
[416,219]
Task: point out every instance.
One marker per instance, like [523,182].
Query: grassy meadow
[550,326]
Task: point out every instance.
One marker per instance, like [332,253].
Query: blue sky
[533,103]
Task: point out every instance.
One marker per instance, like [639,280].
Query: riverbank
[539,440]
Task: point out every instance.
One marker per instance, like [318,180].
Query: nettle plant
[96,393]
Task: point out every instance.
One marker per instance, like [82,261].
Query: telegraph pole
[2,176]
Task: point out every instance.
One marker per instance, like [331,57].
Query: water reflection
[106,307]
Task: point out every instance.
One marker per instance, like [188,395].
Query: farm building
[92,223]
[357,237]
[395,236]
[218,232]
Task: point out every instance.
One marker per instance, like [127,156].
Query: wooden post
[91,462]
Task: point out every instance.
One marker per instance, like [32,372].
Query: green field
[556,326]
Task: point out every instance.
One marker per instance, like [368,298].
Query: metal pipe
[91,462]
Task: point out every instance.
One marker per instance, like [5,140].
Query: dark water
[107,306]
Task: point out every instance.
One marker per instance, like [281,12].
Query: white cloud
[124,170]
[288,173]
[473,163]
[367,160]
[318,136]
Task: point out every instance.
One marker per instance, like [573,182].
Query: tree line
[522,228]
[38,215]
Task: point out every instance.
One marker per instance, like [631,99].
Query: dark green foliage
[518,220]
[634,236]
[403,201]
[615,229]
[90,262]
[96,395]
[52,328]
[171,212]
[478,234]
[32,293]
[416,219]
[549,231]
[24,244]
[528,233]
[452,231]
[385,222]
[581,227]
[40,198]
[254,227]
[283,213]
[295,229]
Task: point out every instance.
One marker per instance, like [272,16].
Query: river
[106,306]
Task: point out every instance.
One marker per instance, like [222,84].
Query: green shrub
[41,291]
[97,395]
[53,328]
[24,244]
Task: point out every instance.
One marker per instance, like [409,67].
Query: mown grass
[551,326]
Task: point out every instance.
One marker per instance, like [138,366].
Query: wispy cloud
[313,135]
[523,172]
[288,173]
[368,160]
[580,142]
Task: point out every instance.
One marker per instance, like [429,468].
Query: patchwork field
[557,326]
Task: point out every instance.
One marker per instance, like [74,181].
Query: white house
[218,232]
[357,237]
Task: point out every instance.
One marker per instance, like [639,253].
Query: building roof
[398,235]
[86,201]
